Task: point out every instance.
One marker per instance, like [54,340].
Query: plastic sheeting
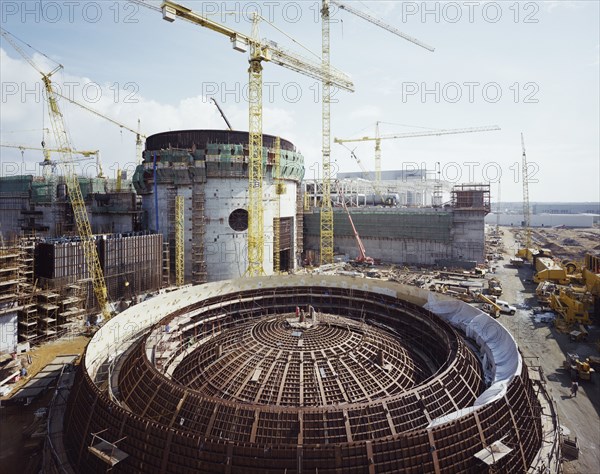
[501,358]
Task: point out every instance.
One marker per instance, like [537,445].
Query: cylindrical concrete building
[304,374]
[209,168]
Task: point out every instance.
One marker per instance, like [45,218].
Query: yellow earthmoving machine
[577,303]
[578,369]
[489,306]
[570,305]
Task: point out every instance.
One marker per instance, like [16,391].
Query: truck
[494,287]
[505,307]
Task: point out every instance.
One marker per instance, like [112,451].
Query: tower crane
[260,51]
[140,138]
[67,164]
[326,208]
[221,112]
[48,163]
[377,139]
[526,209]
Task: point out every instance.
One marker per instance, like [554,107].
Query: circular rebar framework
[235,382]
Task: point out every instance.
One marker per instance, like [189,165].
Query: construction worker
[574,388]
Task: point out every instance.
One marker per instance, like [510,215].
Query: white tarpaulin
[501,358]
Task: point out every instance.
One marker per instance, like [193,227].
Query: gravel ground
[541,344]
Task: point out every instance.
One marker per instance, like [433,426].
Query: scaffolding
[166,266]
[171,213]
[471,197]
[179,240]
[27,316]
[199,274]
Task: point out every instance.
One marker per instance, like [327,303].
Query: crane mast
[498,210]
[377,155]
[260,51]
[326,214]
[526,209]
[326,209]
[278,192]
[256,241]
[82,222]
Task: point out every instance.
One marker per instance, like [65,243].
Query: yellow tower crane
[140,138]
[326,206]
[377,139]
[48,164]
[279,190]
[260,51]
[179,240]
[67,164]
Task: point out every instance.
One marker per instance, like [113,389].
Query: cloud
[24,108]
[552,5]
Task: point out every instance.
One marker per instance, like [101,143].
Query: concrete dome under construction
[369,377]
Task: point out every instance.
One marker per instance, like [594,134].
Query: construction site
[219,312]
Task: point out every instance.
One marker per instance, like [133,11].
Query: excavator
[362,258]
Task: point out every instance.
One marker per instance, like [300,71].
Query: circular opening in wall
[238,220]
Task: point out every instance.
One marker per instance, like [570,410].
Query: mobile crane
[362,258]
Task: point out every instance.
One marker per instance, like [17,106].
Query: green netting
[15,184]
[91,185]
[372,223]
[42,191]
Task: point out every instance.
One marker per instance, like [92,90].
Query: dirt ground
[44,354]
[547,348]
[570,244]
[19,452]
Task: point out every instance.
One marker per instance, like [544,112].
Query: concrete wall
[225,250]
[400,236]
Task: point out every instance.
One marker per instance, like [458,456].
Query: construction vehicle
[222,113]
[505,307]
[67,164]
[516,262]
[549,270]
[494,287]
[578,369]
[569,304]
[543,293]
[362,258]
[489,306]
[576,303]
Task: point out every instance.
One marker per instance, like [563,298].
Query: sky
[528,67]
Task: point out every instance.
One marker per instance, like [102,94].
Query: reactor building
[209,169]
